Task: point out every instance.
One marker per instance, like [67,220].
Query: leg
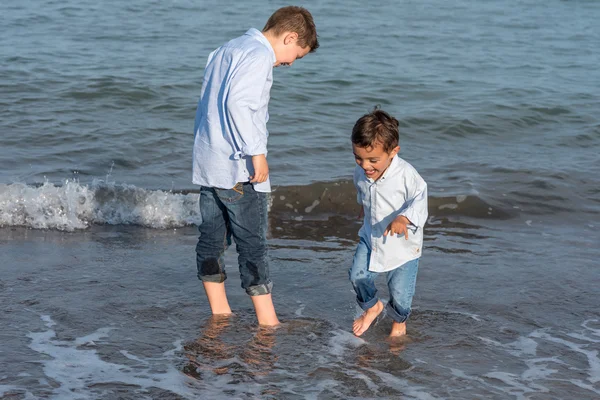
[401,285]
[363,282]
[265,310]
[212,243]
[247,212]
[217,298]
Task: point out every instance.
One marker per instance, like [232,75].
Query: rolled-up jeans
[401,284]
[241,213]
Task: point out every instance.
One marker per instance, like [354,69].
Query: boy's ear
[290,38]
[395,151]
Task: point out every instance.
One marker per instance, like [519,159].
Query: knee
[209,266]
[210,269]
[357,276]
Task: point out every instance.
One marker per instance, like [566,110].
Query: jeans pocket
[231,195]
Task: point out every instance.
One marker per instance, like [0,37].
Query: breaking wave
[73,206]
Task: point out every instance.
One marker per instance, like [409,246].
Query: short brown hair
[294,19]
[376,127]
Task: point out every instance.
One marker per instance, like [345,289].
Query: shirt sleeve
[416,211]
[359,199]
[199,111]
[244,100]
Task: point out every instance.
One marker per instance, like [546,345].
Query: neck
[270,37]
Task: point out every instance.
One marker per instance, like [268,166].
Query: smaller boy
[393,197]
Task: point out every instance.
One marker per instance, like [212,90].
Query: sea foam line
[75,206]
[76,370]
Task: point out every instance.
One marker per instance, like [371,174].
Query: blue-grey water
[498,103]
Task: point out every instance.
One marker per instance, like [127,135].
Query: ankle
[398,329]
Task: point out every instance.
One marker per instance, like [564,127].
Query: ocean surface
[499,109]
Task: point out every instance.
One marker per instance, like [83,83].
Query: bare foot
[362,323]
[398,329]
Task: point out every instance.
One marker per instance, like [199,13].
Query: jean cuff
[216,278]
[259,290]
[366,305]
[395,315]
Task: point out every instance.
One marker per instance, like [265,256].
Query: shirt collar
[258,35]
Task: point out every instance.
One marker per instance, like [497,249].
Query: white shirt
[232,114]
[399,191]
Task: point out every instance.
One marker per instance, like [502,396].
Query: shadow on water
[441,233]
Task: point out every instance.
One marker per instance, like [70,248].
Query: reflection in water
[212,351]
[233,356]
[398,344]
[258,352]
[208,347]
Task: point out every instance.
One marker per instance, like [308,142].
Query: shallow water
[498,112]
[117,311]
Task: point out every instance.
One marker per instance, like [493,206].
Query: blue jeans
[240,212]
[401,284]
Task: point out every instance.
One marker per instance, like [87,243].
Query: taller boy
[230,154]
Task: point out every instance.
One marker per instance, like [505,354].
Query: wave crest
[75,206]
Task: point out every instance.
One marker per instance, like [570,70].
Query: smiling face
[374,160]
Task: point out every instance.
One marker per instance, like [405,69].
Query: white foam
[300,309]
[522,346]
[593,331]
[409,389]
[76,369]
[538,368]
[510,380]
[75,206]
[341,341]
[542,369]
[448,206]
[476,317]
[591,355]
[312,206]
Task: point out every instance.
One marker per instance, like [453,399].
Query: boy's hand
[261,169]
[398,226]
[361,214]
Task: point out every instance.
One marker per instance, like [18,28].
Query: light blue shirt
[399,191]
[231,119]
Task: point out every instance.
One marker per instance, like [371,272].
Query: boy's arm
[249,128]
[199,113]
[415,213]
